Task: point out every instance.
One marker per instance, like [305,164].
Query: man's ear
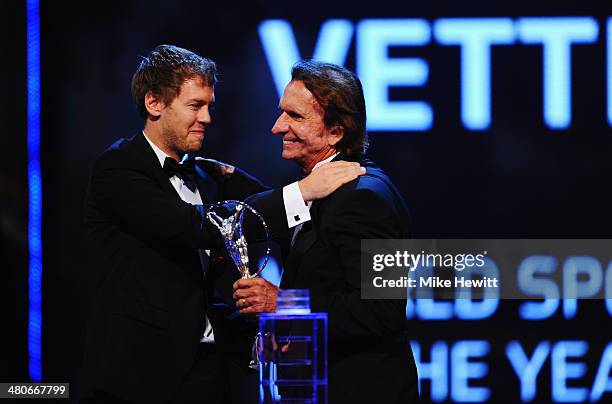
[335,135]
[153,104]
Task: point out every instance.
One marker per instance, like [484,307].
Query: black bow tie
[185,171]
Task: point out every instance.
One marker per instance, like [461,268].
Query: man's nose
[204,116]
[280,126]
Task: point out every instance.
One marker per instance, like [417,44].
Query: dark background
[516,180]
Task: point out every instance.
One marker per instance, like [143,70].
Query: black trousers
[213,379]
[218,378]
[204,382]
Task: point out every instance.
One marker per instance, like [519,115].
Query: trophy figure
[230,227]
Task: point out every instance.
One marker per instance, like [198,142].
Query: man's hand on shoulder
[215,166]
[329,177]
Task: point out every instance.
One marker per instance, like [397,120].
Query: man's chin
[194,146]
[287,155]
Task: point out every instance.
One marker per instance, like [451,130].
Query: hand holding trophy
[228,217]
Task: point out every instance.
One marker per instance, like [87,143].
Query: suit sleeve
[270,205]
[241,185]
[133,200]
[359,214]
[238,185]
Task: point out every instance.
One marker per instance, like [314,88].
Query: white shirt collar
[327,160]
[161,156]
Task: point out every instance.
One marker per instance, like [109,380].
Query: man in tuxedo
[158,329]
[323,119]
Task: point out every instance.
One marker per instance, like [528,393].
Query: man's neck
[319,158]
[154,133]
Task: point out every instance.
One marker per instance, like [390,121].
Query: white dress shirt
[193,198]
[298,211]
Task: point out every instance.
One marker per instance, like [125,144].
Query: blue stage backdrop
[493,118]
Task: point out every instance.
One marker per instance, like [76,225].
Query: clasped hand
[255,295]
[327,178]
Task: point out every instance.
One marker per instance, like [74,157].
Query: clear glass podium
[292,348]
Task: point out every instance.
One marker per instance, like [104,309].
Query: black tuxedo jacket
[147,288]
[369,359]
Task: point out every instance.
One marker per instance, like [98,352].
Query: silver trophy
[228,216]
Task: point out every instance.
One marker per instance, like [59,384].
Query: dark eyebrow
[199,101]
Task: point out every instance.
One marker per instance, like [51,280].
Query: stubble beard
[180,145]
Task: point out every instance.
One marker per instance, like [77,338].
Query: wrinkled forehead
[298,98]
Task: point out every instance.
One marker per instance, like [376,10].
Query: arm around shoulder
[132,199]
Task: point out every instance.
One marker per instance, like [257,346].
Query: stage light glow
[282,51]
[575,288]
[273,270]
[527,369]
[378,73]
[475,36]
[35,192]
[463,370]
[609,69]
[562,370]
[557,35]
[608,288]
[436,370]
[468,309]
[603,380]
[531,284]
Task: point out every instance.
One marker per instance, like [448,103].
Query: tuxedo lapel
[151,162]
[207,187]
[303,242]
